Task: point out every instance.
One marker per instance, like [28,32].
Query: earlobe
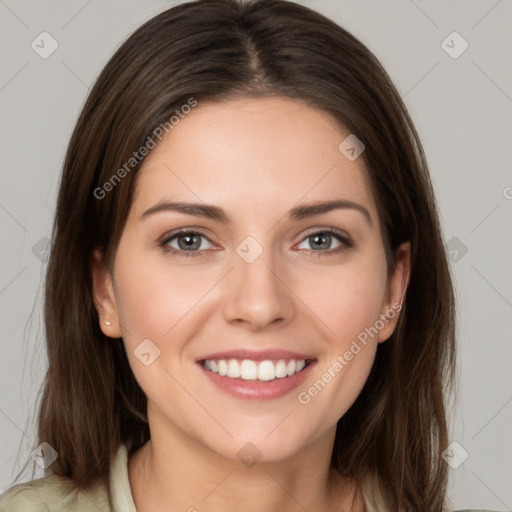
[397,287]
[103,296]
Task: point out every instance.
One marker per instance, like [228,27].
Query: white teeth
[233,369]
[266,370]
[248,369]
[223,367]
[281,369]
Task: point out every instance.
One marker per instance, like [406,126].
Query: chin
[260,447]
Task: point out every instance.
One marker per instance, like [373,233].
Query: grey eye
[189,241]
[321,240]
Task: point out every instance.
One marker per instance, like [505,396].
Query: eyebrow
[215,213]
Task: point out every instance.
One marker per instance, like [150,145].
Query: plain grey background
[461,105]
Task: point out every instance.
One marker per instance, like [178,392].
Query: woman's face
[250,286]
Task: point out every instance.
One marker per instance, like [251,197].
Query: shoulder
[54,494]
[375,502]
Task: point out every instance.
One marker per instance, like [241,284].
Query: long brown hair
[217,50]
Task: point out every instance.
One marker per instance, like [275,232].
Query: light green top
[56,494]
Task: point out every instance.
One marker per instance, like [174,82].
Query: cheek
[151,300]
[156,304]
[347,299]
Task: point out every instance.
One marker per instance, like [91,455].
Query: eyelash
[346,243]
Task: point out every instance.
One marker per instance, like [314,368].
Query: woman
[248,305]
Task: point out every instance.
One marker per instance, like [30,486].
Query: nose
[257,294]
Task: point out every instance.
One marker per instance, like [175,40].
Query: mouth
[248,374]
[251,370]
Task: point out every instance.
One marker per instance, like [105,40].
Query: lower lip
[269,390]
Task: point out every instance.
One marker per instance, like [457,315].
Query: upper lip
[257,355]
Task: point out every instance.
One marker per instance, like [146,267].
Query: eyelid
[167,237]
[343,237]
[342,234]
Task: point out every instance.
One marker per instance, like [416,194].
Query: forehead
[263,153]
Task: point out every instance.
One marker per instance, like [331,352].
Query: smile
[256,371]
[249,374]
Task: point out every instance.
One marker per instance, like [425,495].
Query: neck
[176,473]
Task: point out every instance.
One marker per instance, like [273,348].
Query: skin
[276,153]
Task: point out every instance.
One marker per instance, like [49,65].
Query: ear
[103,295]
[397,286]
